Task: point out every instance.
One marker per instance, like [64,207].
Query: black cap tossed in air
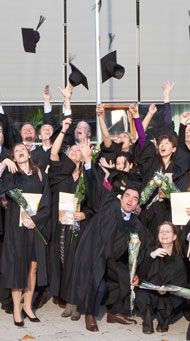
[110,68]
[77,77]
[31,37]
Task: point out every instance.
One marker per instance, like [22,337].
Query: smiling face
[166,148]
[74,153]
[129,200]
[166,235]
[82,131]
[28,133]
[20,154]
[46,132]
[123,164]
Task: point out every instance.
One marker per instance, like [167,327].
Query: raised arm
[67,93]
[167,88]
[138,124]
[184,138]
[151,111]
[105,134]
[97,195]
[59,140]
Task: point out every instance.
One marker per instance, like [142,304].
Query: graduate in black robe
[170,159]
[105,240]
[24,252]
[64,173]
[163,265]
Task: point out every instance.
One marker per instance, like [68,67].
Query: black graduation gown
[103,239]
[20,244]
[5,153]
[155,215]
[148,162]
[41,157]
[161,271]
[61,180]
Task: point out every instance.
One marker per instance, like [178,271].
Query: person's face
[187,133]
[82,131]
[125,139]
[166,235]
[74,153]
[28,133]
[20,154]
[166,148]
[1,136]
[46,132]
[123,164]
[129,200]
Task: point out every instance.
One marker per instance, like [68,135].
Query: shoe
[75,316]
[161,329]
[32,319]
[91,324]
[119,318]
[148,332]
[59,301]
[7,307]
[40,300]
[68,310]
[18,324]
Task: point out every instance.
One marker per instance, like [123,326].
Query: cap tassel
[111,39]
[71,58]
[99,5]
[42,19]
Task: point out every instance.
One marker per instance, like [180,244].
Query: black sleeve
[97,195]
[60,170]
[144,157]
[111,152]
[181,138]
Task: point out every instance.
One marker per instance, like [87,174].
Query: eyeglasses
[165,231]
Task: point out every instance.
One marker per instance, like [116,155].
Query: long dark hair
[176,244]
[33,167]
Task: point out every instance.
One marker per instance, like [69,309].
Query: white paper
[179,203]
[33,200]
[67,206]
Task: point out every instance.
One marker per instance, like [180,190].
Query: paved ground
[54,327]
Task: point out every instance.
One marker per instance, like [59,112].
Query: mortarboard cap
[76,77]
[31,37]
[110,68]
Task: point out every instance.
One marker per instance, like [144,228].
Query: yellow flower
[151,182]
[159,182]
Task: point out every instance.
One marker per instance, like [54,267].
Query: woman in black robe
[24,255]
[64,173]
[163,265]
[170,159]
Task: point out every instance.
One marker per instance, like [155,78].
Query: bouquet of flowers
[160,180]
[133,251]
[173,289]
[168,188]
[16,195]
